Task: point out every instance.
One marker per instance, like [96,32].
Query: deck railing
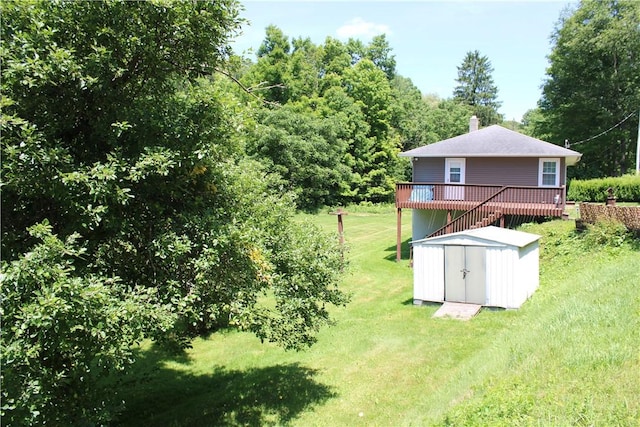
[429,195]
[485,213]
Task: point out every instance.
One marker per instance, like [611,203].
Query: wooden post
[339,212]
[399,235]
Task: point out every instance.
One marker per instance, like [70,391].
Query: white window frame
[454,192]
[540,170]
[447,167]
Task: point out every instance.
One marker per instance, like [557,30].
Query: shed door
[464,274]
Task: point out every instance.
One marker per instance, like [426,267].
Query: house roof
[494,141]
[485,236]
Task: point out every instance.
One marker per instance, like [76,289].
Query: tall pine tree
[477,89]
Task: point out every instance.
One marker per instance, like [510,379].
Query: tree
[120,146]
[306,150]
[477,89]
[335,60]
[272,68]
[408,113]
[593,83]
[305,66]
[534,124]
[63,333]
[379,52]
[369,87]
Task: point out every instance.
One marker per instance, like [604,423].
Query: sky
[428,38]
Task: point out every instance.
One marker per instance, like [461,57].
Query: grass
[569,356]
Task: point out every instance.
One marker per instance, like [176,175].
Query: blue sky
[429,38]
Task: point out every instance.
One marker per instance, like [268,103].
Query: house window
[454,174]
[549,175]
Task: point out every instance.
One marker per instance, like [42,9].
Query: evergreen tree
[477,89]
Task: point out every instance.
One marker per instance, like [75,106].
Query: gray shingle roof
[493,141]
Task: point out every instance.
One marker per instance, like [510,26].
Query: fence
[628,215]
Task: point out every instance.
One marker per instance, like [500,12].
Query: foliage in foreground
[121,148]
[63,332]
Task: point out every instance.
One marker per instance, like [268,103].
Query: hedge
[625,189]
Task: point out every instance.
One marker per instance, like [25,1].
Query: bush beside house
[625,189]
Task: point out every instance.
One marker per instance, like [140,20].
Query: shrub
[625,189]
[606,232]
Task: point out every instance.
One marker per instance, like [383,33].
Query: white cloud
[358,27]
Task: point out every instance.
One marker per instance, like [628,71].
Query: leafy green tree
[115,129]
[337,105]
[62,333]
[379,52]
[335,61]
[594,83]
[271,72]
[409,113]
[534,124]
[370,89]
[446,118]
[305,67]
[477,89]
[357,50]
[306,150]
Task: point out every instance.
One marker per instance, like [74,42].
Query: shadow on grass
[422,303]
[275,395]
[404,251]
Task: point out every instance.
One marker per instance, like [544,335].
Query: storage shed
[490,266]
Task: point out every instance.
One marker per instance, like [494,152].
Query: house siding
[517,171]
[428,170]
[521,171]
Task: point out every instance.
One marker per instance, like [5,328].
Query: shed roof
[493,141]
[486,235]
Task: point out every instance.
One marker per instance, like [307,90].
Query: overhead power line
[567,144]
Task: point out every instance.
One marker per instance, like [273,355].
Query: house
[488,266]
[479,178]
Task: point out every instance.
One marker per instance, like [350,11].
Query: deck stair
[488,220]
[481,215]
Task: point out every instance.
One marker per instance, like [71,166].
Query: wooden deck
[530,201]
[507,208]
[481,205]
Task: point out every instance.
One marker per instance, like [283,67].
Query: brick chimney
[473,124]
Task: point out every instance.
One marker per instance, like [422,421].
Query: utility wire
[567,145]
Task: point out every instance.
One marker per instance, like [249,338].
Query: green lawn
[569,356]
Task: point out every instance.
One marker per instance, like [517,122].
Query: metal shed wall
[428,274]
[511,271]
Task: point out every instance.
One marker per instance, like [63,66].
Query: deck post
[502,221]
[399,235]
